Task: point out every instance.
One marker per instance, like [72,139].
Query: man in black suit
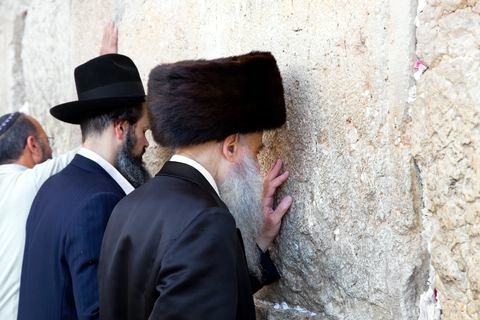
[173,248]
[69,213]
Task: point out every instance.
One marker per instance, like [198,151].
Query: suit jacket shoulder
[63,239]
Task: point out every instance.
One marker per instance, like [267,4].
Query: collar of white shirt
[198,166]
[111,170]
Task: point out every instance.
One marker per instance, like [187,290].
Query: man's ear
[230,147]
[33,147]
[120,129]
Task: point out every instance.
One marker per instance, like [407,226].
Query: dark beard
[46,154]
[129,165]
[241,191]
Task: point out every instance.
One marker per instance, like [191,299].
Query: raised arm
[110,39]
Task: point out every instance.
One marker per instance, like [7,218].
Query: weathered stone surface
[282,311]
[12,28]
[377,179]
[48,67]
[447,149]
[351,246]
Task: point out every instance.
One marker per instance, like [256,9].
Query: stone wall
[446,131]
[384,185]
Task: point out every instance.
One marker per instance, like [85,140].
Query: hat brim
[76,111]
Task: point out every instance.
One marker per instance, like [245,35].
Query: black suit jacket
[171,250]
[63,239]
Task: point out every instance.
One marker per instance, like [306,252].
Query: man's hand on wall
[272,218]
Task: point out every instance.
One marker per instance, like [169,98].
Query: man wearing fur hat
[181,246]
[69,214]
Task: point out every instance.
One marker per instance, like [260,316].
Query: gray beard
[242,193]
[131,167]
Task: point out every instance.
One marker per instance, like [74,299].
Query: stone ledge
[270,311]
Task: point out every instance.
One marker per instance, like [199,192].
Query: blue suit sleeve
[82,250]
[198,272]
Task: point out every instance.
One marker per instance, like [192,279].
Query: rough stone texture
[47,65]
[378,181]
[282,311]
[351,246]
[43,42]
[11,34]
[447,149]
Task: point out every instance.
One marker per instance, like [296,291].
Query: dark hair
[14,139]
[99,123]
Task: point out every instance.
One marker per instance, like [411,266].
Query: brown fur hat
[195,101]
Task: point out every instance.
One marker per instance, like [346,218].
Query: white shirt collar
[198,166]
[111,170]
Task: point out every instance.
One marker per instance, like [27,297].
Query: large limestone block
[447,148]
[58,36]
[47,66]
[351,246]
[12,26]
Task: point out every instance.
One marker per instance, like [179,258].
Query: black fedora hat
[104,84]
